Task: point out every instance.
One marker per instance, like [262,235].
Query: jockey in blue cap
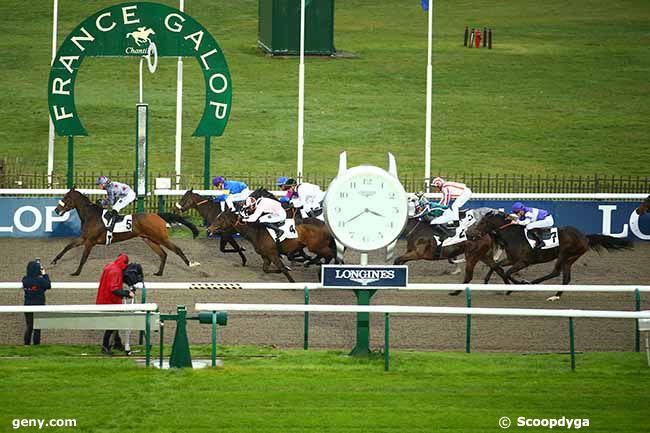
[281,182]
[232,191]
[118,196]
[533,218]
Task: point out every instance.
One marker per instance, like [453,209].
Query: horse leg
[88,245]
[236,248]
[470,262]
[161,253]
[67,248]
[518,266]
[566,276]
[172,247]
[497,266]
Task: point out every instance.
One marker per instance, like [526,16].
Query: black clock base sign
[365,280]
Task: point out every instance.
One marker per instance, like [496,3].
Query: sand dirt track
[338,331]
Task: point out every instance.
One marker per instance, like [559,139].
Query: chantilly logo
[141,39]
[364,276]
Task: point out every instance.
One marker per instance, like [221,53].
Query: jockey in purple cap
[233,191]
[118,196]
[533,218]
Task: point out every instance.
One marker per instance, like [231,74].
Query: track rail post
[572,344]
[386,341]
[468,324]
[305,344]
[637,334]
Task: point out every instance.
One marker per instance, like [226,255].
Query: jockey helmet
[517,207]
[437,182]
[218,180]
[102,180]
[281,181]
[250,202]
[290,182]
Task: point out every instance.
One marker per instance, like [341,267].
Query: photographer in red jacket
[111,292]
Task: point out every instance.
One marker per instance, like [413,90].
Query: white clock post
[366,210]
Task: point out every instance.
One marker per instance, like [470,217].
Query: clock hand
[375,213]
[357,216]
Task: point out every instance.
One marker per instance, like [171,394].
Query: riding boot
[278,231]
[111,226]
[538,240]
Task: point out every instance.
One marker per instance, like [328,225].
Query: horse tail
[610,243]
[171,218]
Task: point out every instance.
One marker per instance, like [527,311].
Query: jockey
[280,183]
[268,212]
[458,192]
[118,196]
[305,196]
[233,191]
[533,218]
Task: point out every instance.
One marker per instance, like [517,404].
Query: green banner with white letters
[128,29]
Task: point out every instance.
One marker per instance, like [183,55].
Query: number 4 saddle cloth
[289,229]
[549,236]
[124,223]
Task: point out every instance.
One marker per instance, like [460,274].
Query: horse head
[644,207]
[490,222]
[226,220]
[189,200]
[70,201]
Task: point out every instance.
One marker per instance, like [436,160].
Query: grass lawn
[565,90]
[273,390]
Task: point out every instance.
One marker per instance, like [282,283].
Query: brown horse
[152,228]
[209,211]
[644,207]
[309,235]
[573,244]
[421,245]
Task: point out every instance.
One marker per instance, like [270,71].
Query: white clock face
[366,208]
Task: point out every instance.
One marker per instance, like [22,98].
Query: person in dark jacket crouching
[35,283]
[111,292]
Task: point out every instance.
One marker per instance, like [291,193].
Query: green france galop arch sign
[127,30]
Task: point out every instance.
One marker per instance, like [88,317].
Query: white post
[363,259]
[179,111]
[301,93]
[140,82]
[50,137]
[427,141]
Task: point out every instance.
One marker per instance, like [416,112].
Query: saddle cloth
[124,223]
[467,220]
[549,236]
[289,229]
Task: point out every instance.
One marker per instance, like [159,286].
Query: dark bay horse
[421,245]
[644,207]
[152,228]
[309,236]
[573,244]
[209,211]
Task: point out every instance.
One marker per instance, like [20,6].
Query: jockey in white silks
[305,196]
[452,192]
[268,212]
[118,196]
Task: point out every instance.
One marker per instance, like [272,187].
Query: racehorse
[141,35]
[421,245]
[209,210]
[643,207]
[573,244]
[152,228]
[309,236]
